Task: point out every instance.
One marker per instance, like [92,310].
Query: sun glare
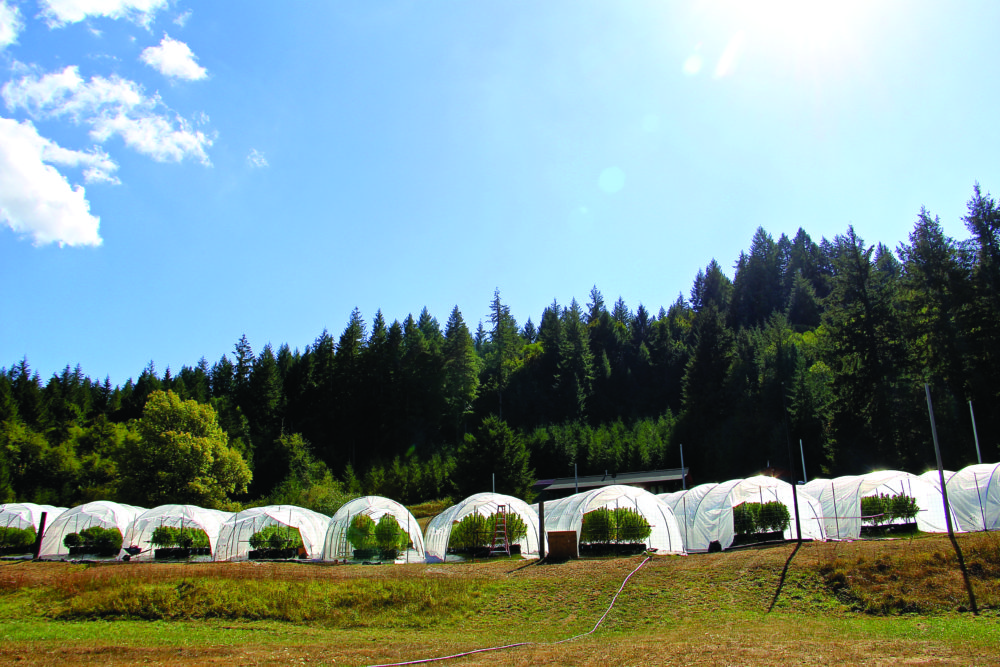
[811,24]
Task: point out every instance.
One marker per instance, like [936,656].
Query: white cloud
[111,107]
[61,12]
[256,159]
[35,199]
[182,19]
[174,59]
[10,24]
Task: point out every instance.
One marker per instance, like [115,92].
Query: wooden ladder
[500,544]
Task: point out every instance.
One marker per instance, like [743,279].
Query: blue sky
[174,175]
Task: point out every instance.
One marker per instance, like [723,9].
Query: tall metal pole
[684,482]
[576,480]
[805,477]
[944,498]
[979,457]
[494,482]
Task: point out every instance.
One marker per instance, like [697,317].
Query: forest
[829,342]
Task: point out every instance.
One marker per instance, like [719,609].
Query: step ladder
[500,544]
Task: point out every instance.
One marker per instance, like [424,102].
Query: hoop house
[665,536]
[974,495]
[685,506]
[103,513]
[27,515]
[713,520]
[841,500]
[934,479]
[336,545]
[438,531]
[140,531]
[236,531]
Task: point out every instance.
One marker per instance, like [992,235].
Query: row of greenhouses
[703,518]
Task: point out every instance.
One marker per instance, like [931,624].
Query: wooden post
[41,532]
[541,529]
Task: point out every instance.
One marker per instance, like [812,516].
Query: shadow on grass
[784,573]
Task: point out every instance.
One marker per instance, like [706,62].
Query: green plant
[476,531]
[11,536]
[873,510]
[388,534]
[276,536]
[470,533]
[361,532]
[622,525]
[168,536]
[95,537]
[753,518]
[630,526]
[745,518]
[773,517]
[904,507]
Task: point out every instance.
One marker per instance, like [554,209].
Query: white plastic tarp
[933,477]
[974,496]
[685,506]
[336,546]
[438,531]
[566,514]
[27,515]
[841,500]
[714,516]
[236,531]
[140,531]
[103,513]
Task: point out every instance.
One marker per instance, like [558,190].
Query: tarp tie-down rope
[506,646]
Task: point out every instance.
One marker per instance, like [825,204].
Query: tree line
[830,342]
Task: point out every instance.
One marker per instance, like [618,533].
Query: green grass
[711,607]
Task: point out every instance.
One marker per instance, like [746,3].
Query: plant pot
[180,553]
[100,552]
[757,538]
[611,549]
[16,551]
[273,554]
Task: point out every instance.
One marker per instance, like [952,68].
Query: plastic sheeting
[140,531]
[567,514]
[841,500]
[336,546]
[103,513]
[234,537]
[974,495]
[933,478]
[714,516]
[438,531]
[685,506]
[27,515]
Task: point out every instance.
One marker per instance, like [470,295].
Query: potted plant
[361,536]
[473,535]
[276,542]
[606,531]
[179,543]
[390,538]
[760,522]
[94,541]
[16,541]
[882,513]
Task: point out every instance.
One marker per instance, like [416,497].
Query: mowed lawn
[877,602]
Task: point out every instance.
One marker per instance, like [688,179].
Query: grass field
[876,602]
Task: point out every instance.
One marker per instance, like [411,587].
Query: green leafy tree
[494,449]
[178,454]
[461,371]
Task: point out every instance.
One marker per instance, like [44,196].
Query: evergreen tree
[461,371]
